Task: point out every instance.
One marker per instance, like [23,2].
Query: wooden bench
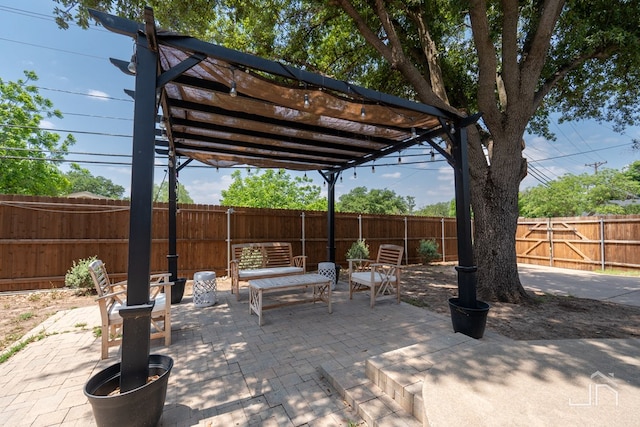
[321,291]
[261,261]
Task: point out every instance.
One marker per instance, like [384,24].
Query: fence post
[229,212]
[550,234]
[303,236]
[406,244]
[359,227]
[442,239]
[602,241]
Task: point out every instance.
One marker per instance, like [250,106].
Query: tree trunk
[494,199]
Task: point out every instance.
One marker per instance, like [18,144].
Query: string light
[373,168]
[399,158]
[340,178]
[132,66]
[433,155]
[363,112]
[355,175]
[306,100]
[413,132]
[234,90]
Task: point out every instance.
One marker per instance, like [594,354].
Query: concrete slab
[581,284]
[538,383]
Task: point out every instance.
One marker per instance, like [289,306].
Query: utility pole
[596,165]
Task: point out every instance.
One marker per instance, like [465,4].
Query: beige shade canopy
[229,108]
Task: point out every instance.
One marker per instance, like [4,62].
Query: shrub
[428,250]
[78,276]
[358,250]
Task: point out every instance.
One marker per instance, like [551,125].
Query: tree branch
[487,65]
[561,73]
[430,53]
[393,52]
[510,70]
[534,59]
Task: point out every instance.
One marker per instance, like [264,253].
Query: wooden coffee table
[321,291]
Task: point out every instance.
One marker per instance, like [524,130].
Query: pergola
[225,108]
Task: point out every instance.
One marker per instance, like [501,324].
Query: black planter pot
[469,321]
[177,290]
[139,407]
[337,273]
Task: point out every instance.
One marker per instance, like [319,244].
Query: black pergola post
[137,313]
[331,216]
[172,257]
[466,268]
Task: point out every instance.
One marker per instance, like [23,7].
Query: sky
[75,74]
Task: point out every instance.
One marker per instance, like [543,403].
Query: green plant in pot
[358,251]
[428,251]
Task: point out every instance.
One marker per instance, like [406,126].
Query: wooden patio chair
[380,277]
[112,297]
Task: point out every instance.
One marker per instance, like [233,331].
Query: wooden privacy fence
[43,236]
[581,243]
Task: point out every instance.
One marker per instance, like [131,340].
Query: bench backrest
[261,255]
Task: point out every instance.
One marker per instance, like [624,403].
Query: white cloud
[47,124]
[208,192]
[98,94]
[445,174]
[394,175]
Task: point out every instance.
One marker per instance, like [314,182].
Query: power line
[580,153]
[53,49]
[85,132]
[38,15]
[26,13]
[86,94]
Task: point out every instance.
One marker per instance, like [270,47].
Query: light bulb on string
[355,175]
[307,103]
[363,112]
[373,168]
[234,90]
[433,155]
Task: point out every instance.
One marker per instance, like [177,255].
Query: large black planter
[469,321]
[177,290]
[139,407]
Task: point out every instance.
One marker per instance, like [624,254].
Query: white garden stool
[204,288]
[328,269]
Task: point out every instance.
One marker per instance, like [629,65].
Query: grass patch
[19,346]
[97,331]
[80,325]
[25,316]
[617,272]
[34,297]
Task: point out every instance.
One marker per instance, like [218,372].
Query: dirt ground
[430,287]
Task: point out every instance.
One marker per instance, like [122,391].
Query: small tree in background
[428,251]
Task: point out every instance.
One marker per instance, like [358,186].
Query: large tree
[81,179]
[29,155]
[607,192]
[161,193]
[515,61]
[375,201]
[272,189]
